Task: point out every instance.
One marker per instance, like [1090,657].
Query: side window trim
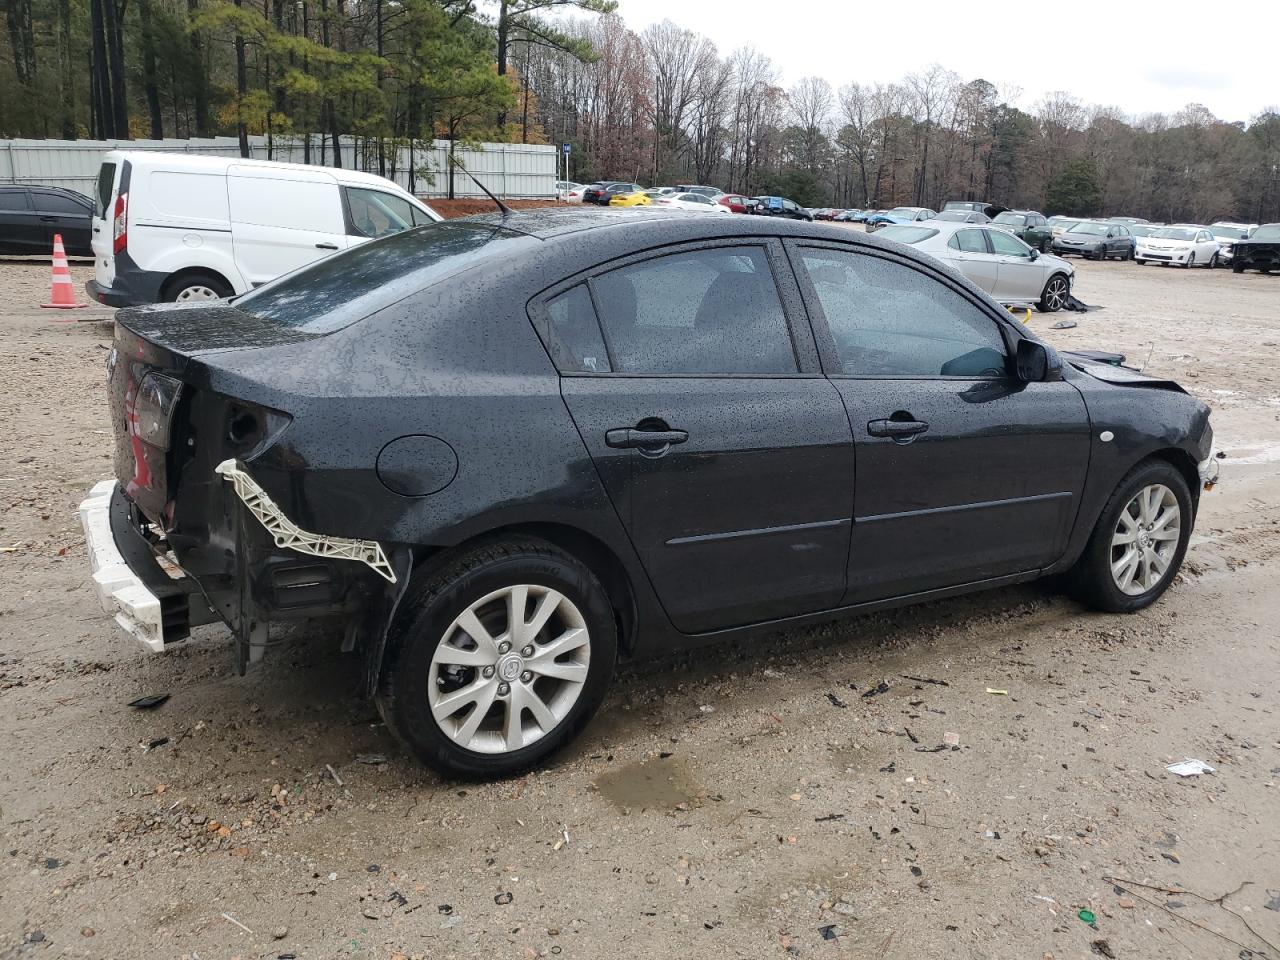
[785,280]
[827,352]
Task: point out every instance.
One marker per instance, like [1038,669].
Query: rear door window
[106,183]
[968,241]
[576,344]
[702,312]
[47,202]
[13,200]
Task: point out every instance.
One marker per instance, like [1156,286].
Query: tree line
[661,105]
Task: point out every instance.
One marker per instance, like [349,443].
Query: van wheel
[498,659]
[1139,542]
[196,286]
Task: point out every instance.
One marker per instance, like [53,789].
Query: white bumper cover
[120,591]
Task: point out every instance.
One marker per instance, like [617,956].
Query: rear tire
[432,654]
[1151,562]
[196,286]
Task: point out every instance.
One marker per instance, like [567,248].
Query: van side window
[378,214]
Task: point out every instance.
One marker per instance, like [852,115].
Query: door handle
[629,437]
[326,246]
[48,219]
[896,429]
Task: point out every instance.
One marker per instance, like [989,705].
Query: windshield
[349,286]
[1092,229]
[1174,233]
[1228,233]
[1013,219]
[1270,231]
[1138,230]
[903,233]
[903,212]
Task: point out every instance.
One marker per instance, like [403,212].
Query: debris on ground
[503,899]
[881,687]
[836,701]
[1189,768]
[1064,325]
[951,739]
[832,931]
[1088,917]
[1103,949]
[940,683]
[149,702]
[154,743]
[998,693]
[372,759]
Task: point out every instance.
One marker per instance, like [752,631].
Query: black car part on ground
[318,444]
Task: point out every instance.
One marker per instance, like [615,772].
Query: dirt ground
[751,801]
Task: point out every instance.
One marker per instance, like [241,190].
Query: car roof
[209,164]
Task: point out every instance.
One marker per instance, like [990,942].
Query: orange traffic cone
[63,294]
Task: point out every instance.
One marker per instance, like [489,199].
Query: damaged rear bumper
[146,602]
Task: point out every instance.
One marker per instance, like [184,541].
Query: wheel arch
[585,547]
[1184,463]
[181,274]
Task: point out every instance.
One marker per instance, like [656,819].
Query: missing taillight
[245,427]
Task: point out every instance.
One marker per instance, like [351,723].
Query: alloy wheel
[195,292]
[509,669]
[1145,540]
[1055,294]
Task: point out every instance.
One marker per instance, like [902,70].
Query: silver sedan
[997,261]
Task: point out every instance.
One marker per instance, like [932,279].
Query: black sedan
[604,191]
[30,217]
[507,452]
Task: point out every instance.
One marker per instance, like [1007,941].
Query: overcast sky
[1158,59]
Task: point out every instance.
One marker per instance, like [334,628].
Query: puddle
[653,784]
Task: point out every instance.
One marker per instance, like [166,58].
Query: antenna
[1142,369]
[506,211]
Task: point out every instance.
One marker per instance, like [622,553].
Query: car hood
[1070,237]
[1121,376]
[1049,260]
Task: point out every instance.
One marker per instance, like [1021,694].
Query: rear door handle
[897,429]
[629,437]
[48,219]
[326,246]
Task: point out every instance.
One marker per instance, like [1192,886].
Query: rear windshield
[102,198]
[904,233]
[339,290]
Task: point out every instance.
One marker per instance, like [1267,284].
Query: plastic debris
[1189,768]
[503,899]
[836,701]
[1087,916]
[372,759]
[828,818]
[157,742]
[707,708]
[149,702]
[951,739]
[832,931]
[881,687]
[998,693]
[940,683]
[1103,949]
[1064,325]
[1274,902]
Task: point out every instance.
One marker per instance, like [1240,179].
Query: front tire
[1054,296]
[1190,262]
[498,659]
[1139,541]
[1213,262]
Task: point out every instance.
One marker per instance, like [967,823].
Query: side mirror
[1035,254]
[1037,363]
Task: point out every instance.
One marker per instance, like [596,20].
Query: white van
[177,227]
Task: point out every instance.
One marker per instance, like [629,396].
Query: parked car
[1027,225]
[1227,235]
[1126,220]
[640,198]
[712,192]
[603,192]
[850,216]
[181,227]
[1186,245]
[978,206]
[1060,225]
[993,259]
[689,395]
[1095,239]
[568,191]
[734,201]
[780,207]
[30,217]
[1260,252]
[962,216]
[697,202]
[827,213]
[899,215]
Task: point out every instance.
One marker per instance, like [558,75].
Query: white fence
[508,169]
